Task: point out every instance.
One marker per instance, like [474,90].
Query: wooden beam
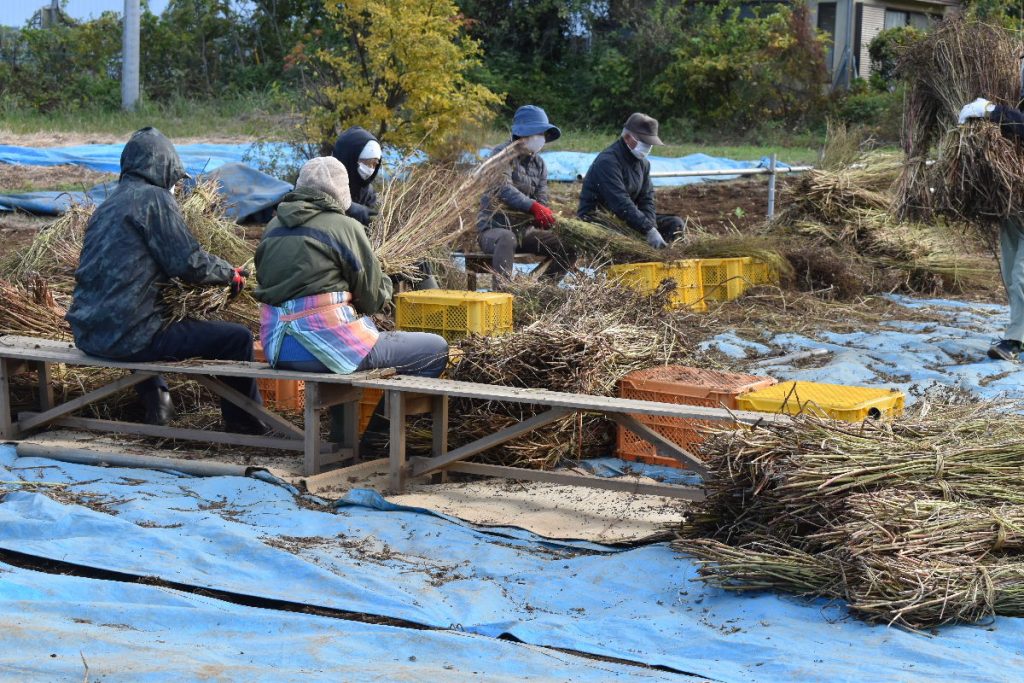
[184,434]
[480,445]
[439,426]
[662,445]
[333,394]
[272,420]
[617,484]
[583,402]
[36,350]
[396,456]
[38,419]
[345,476]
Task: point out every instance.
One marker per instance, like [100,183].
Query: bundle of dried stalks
[844,192]
[977,168]
[31,313]
[426,208]
[53,252]
[915,523]
[602,241]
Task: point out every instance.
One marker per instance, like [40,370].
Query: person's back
[134,243]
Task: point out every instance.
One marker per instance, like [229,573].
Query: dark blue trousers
[210,340]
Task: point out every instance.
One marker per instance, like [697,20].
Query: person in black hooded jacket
[135,242]
[360,152]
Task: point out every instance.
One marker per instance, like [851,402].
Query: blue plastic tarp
[643,605]
[568,166]
[249,194]
[132,633]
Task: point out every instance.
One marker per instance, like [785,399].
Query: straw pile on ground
[582,338]
[978,172]
[917,523]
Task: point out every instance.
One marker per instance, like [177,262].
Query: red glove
[542,216]
[238,281]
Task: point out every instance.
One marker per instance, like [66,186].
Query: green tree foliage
[398,68]
[885,49]
[1007,13]
[740,71]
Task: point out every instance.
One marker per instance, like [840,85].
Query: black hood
[347,149]
[151,157]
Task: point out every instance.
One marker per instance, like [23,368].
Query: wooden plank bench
[405,395]
[322,391]
[478,263]
[401,391]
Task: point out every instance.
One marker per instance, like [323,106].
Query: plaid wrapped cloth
[325,324]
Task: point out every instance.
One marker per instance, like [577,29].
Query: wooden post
[396,462]
[45,387]
[311,427]
[439,429]
[8,428]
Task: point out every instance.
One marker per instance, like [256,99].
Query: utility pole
[130,56]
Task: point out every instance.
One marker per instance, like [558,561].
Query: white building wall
[872,23]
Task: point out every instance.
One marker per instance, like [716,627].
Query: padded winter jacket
[621,183]
[311,248]
[524,182]
[346,150]
[136,241]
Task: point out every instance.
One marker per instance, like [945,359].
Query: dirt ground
[23,178]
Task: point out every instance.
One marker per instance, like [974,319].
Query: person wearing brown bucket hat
[619,181]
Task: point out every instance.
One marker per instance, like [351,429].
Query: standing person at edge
[319,280]
[135,242]
[619,180]
[523,188]
[360,152]
[1011,231]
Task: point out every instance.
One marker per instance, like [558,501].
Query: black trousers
[501,243]
[210,340]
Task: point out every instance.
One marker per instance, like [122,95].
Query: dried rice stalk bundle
[425,209]
[53,252]
[764,565]
[977,169]
[204,209]
[834,196]
[920,594]
[602,241]
[33,314]
[904,523]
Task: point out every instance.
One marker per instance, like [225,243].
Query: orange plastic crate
[683,386]
[282,394]
[367,404]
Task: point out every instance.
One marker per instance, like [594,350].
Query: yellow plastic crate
[647,277]
[851,404]
[454,314]
[759,273]
[724,279]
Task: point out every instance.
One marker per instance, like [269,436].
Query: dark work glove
[362,213]
[238,281]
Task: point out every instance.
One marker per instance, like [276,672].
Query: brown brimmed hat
[644,128]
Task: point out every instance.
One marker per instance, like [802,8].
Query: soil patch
[16,178]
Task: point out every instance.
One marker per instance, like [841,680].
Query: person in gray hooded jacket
[135,242]
[514,217]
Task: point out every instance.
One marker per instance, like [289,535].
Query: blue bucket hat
[531,120]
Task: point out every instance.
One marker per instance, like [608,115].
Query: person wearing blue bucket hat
[514,215]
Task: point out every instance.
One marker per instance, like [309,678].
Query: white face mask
[641,150]
[534,143]
[365,171]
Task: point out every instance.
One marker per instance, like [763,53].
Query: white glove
[978,109]
[655,239]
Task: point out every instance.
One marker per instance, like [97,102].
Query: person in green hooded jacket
[319,281]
